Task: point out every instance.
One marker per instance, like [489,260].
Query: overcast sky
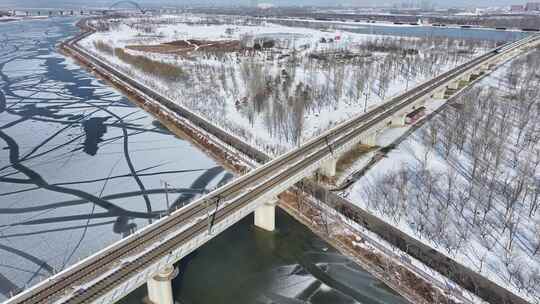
[106,3]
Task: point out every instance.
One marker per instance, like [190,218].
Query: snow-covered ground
[467,182]
[282,96]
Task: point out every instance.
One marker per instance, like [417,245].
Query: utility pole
[366,94]
[211,217]
[408,75]
[165,184]
[328,145]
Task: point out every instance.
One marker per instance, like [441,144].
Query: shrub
[166,71]
[103,47]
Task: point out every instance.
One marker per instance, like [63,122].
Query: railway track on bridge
[234,196]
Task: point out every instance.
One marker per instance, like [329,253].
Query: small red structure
[415,115]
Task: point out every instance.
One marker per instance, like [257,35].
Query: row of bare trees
[277,89]
[281,87]
[472,188]
[165,71]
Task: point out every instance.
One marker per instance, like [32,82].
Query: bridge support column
[399,121]
[439,94]
[265,216]
[454,85]
[328,167]
[370,140]
[483,68]
[160,288]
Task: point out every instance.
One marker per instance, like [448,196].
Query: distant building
[265,6]
[532,6]
[517,8]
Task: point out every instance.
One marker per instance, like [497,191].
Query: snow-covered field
[467,182]
[280,96]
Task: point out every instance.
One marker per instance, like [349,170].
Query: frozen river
[81,167]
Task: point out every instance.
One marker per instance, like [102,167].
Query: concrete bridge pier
[399,121]
[439,94]
[370,140]
[483,68]
[160,288]
[420,103]
[265,215]
[454,85]
[328,167]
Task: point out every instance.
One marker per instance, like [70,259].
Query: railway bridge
[148,256]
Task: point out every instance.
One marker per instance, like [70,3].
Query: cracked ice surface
[80,166]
